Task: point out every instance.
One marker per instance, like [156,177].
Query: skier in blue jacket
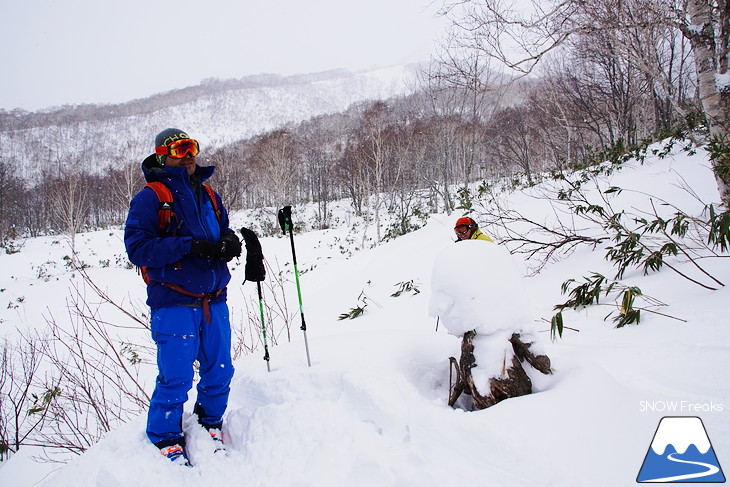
[185,266]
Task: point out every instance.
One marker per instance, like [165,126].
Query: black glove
[203,249]
[255,270]
[229,247]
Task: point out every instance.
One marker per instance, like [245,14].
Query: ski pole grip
[285,218]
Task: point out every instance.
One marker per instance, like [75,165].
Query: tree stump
[513,381]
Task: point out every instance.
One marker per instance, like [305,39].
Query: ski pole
[255,271]
[263,327]
[286,225]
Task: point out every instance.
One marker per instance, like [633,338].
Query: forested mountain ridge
[216,111]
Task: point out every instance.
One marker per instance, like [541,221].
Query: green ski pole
[263,327]
[255,271]
[286,225]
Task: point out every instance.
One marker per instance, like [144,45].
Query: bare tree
[127,182]
[276,168]
[70,202]
[351,173]
[375,140]
[520,39]
[515,139]
[319,165]
[231,178]
[11,192]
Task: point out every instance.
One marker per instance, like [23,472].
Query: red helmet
[466,222]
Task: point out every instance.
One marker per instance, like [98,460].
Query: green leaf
[556,326]
[719,234]
[353,313]
[670,248]
[653,262]
[633,316]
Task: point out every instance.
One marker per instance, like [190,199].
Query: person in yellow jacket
[467,229]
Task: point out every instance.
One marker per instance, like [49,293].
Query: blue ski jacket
[166,252]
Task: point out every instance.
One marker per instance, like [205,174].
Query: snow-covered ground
[372,409]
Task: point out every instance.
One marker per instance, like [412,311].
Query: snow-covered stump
[512,379]
[479,295]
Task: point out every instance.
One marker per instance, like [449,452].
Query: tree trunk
[715,100]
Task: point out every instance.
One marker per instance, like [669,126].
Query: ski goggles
[461,229]
[179,148]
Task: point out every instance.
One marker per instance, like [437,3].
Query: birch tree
[71,203]
[707,26]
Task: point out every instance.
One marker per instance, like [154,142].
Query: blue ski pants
[182,337]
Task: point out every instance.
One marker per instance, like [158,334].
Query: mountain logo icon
[681,452]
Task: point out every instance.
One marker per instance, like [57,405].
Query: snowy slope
[371,411]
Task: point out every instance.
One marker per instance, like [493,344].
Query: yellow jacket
[478,235]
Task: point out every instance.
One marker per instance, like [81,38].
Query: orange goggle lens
[179,148]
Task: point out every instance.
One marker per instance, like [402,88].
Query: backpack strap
[164,212]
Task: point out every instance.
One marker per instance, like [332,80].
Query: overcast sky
[58,52]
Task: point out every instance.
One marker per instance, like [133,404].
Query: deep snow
[372,409]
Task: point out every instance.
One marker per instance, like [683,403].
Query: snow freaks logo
[681,452]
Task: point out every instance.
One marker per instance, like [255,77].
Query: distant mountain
[216,112]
